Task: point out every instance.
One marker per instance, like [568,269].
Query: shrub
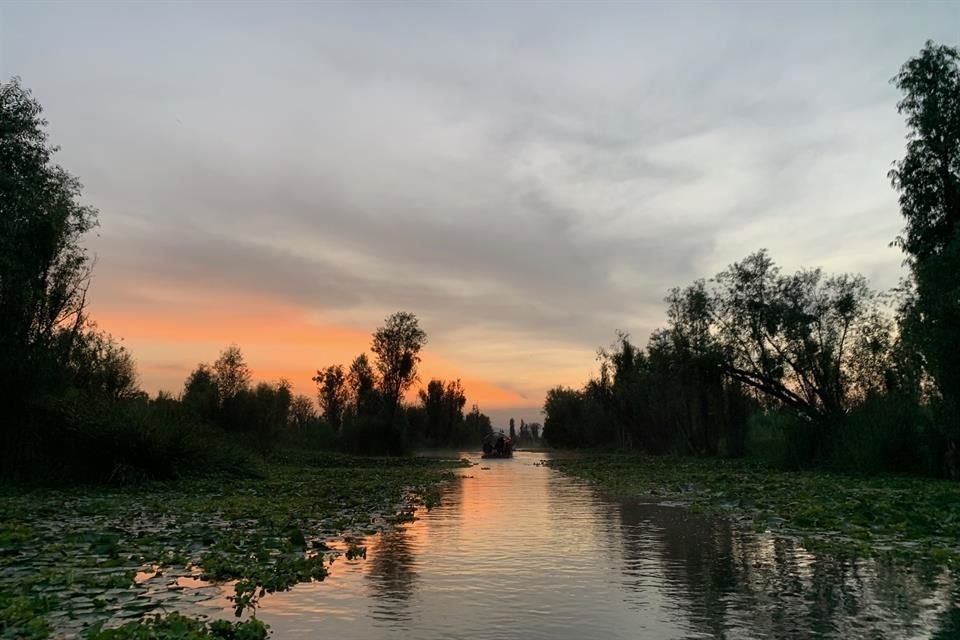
[781,440]
[886,433]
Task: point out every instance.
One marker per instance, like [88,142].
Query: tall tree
[476,426]
[397,345]
[362,381]
[201,394]
[231,373]
[928,179]
[333,394]
[796,338]
[443,404]
[44,271]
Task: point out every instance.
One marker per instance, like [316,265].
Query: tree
[44,271]
[231,373]
[362,381]
[476,426]
[928,180]
[101,365]
[443,404]
[333,394]
[201,395]
[301,411]
[618,395]
[267,411]
[795,338]
[397,345]
[534,430]
[564,424]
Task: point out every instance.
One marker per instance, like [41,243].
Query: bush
[781,440]
[887,433]
[314,435]
[89,438]
[374,435]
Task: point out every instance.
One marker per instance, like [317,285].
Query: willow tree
[815,343]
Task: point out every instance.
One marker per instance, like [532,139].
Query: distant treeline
[808,368]
[71,408]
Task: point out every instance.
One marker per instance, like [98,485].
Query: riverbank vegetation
[74,559]
[72,407]
[892,517]
[110,499]
[808,369]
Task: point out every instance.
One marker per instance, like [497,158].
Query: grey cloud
[546,173]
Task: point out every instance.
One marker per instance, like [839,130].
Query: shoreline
[895,517]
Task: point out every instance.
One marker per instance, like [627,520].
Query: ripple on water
[520,550]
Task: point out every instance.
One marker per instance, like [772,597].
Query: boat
[497,447]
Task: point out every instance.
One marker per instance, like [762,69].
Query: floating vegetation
[885,516]
[176,626]
[86,560]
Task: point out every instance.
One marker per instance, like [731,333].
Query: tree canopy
[397,345]
[928,180]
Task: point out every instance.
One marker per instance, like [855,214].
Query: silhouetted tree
[476,426]
[565,423]
[333,394]
[443,405]
[796,338]
[201,395]
[928,179]
[362,380]
[268,412]
[534,430]
[397,345]
[231,373]
[44,270]
[100,365]
[301,411]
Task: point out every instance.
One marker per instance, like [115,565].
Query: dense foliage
[928,180]
[82,559]
[808,368]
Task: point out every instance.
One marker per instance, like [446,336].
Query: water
[516,549]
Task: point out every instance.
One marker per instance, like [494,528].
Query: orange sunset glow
[171,331]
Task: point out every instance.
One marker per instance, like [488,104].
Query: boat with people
[499,446]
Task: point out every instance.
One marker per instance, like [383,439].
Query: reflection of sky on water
[518,550]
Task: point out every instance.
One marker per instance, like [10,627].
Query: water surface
[516,549]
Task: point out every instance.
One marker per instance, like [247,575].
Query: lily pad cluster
[885,516]
[84,560]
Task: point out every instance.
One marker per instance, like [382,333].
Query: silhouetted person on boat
[499,445]
[487,446]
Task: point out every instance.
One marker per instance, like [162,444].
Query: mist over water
[516,549]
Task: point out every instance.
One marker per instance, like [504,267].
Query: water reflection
[730,583]
[518,550]
[391,575]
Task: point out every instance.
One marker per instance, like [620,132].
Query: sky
[527,178]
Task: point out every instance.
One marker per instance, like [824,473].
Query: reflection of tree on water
[392,560]
[694,554]
[730,580]
[391,574]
